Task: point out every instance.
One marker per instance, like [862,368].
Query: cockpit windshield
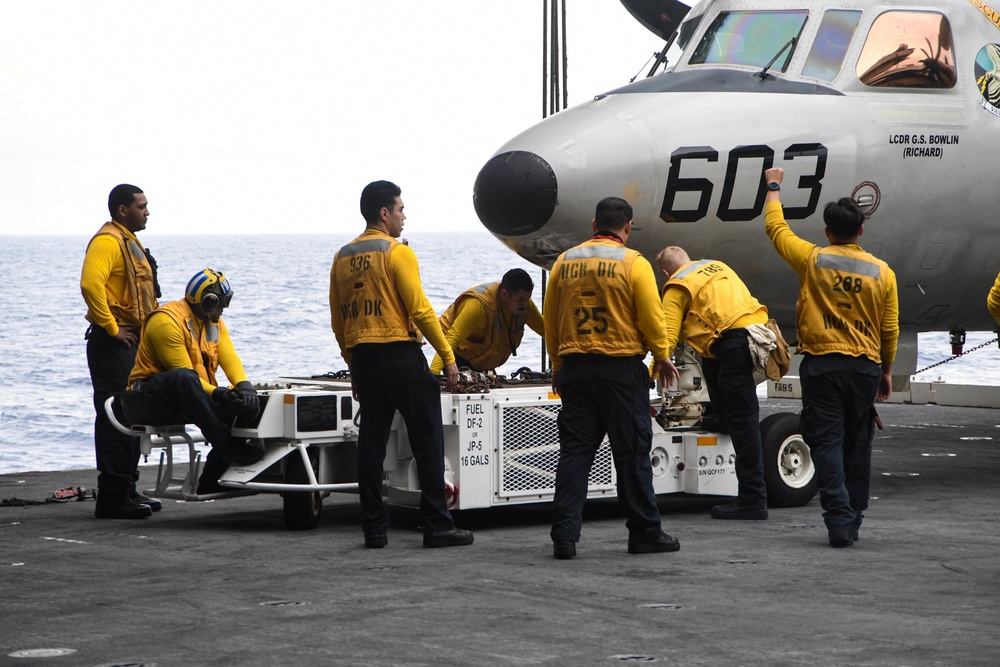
[687,29]
[750,38]
[908,49]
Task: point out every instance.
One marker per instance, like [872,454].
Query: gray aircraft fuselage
[907,123]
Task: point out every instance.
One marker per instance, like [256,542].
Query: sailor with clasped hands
[183,345]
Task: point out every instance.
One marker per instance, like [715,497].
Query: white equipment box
[502,448]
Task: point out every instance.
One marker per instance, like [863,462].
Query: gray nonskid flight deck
[224,583]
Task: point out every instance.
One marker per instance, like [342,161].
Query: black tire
[302,508]
[789,471]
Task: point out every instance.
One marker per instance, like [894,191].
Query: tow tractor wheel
[789,471]
[302,508]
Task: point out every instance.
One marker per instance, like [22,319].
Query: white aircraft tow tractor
[501,448]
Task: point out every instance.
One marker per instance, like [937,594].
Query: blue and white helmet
[207,289]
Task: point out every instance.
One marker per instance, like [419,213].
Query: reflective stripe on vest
[371,245]
[719,298]
[139,299]
[492,344]
[202,347]
[841,303]
[370,304]
[848,265]
[595,252]
[693,266]
[594,304]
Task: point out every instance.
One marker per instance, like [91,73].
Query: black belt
[733,333]
[389,346]
[730,334]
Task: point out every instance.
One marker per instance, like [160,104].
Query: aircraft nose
[515,193]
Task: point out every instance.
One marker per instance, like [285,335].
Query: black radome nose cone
[515,193]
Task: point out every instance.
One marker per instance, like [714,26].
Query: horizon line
[158,233]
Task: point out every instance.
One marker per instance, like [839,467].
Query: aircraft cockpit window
[750,38]
[907,49]
[687,29]
[830,46]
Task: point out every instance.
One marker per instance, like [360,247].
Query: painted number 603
[728,210]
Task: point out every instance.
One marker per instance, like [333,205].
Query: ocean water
[279,321]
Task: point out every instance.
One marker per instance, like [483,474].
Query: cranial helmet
[207,289]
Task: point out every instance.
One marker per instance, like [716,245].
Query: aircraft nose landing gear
[788,466]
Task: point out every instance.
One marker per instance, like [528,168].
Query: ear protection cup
[209,301]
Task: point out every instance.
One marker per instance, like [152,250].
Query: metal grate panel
[529,452]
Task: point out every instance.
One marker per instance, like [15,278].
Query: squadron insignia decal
[988,77]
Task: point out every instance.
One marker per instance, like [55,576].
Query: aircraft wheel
[789,471]
[302,508]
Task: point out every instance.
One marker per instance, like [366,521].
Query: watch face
[772,185]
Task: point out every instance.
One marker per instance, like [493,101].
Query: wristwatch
[773,186]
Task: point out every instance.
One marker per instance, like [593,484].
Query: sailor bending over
[485,324]
[708,305]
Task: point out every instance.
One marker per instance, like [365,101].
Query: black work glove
[228,400]
[248,399]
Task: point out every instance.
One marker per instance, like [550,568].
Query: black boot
[243,452]
[215,466]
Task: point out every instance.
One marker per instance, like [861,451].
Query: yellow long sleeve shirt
[103,278]
[402,263]
[645,308]
[676,304]
[168,342]
[993,300]
[797,252]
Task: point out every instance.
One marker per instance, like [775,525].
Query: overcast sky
[267,117]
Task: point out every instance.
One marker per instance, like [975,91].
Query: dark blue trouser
[388,377]
[604,395]
[110,363]
[731,388]
[838,398]
[181,389]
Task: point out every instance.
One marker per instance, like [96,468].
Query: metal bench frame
[165,436]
